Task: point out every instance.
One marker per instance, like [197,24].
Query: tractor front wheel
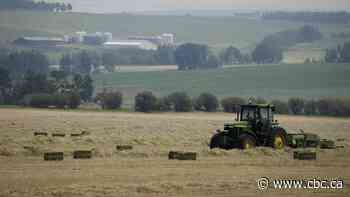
[247,141]
[219,140]
[278,139]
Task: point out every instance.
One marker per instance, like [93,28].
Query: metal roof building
[139,44]
[39,41]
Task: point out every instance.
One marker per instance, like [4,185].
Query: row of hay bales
[79,154]
[87,154]
[61,134]
[301,154]
[59,156]
[173,155]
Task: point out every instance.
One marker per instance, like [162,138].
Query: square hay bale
[187,156]
[182,155]
[327,144]
[28,147]
[124,147]
[53,156]
[82,154]
[304,155]
[40,134]
[75,134]
[58,135]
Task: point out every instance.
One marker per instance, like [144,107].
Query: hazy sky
[143,5]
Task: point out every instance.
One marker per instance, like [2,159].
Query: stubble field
[145,170]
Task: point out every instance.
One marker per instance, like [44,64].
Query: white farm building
[139,44]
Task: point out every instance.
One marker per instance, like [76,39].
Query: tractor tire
[247,141]
[278,139]
[219,140]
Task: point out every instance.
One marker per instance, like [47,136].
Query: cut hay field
[300,53]
[268,81]
[145,170]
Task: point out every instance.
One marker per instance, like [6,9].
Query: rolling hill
[215,31]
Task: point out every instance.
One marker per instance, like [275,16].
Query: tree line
[270,49]
[341,35]
[33,5]
[188,56]
[85,61]
[318,17]
[181,102]
[57,89]
[340,54]
[18,63]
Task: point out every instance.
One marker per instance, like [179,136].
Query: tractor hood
[240,124]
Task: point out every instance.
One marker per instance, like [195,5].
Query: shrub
[2,99]
[40,100]
[345,106]
[181,101]
[310,107]
[323,106]
[164,104]
[73,100]
[206,102]
[280,106]
[145,102]
[110,100]
[296,105]
[334,106]
[59,100]
[47,100]
[231,104]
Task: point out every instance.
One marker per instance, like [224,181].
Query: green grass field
[268,81]
[215,31]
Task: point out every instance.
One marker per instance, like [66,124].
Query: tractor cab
[254,126]
[259,116]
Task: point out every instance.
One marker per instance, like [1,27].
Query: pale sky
[146,5]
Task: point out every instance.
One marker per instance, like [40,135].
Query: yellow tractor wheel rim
[247,145]
[278,143]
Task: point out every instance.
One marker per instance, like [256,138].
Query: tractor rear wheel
[219,140]
[278,139]
[247,141]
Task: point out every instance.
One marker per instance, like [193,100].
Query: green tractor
[255,126]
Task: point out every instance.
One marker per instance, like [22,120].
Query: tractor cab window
[248,114]
[271,114]
[264,113]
